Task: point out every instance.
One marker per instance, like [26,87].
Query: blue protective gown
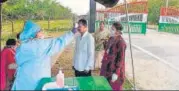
[33,56]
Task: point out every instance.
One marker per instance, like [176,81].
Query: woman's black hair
[118,26]
[18,36]
[10,42]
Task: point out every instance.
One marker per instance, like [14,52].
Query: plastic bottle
[60,79]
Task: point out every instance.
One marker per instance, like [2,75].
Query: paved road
[156,59]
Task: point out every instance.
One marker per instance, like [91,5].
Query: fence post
[0,23]
[49,23]
[12,24]
[0,17]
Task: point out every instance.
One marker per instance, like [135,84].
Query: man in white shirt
[83,61]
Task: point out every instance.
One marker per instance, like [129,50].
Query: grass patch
[56,26]
[18,25]
[128,85]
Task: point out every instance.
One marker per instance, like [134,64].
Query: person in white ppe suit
[33,56]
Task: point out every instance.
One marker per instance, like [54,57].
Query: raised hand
[74,30]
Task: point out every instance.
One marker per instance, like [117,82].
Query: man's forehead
[80,23]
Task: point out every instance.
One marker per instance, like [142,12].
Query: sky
[80,7]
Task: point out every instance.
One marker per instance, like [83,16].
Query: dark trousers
[82,73]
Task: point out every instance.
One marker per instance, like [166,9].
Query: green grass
[18,25]
[127,85]
[56,26]
[59,24]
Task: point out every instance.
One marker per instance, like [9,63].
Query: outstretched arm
[58,44]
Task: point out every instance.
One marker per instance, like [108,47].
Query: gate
[138,13]
[169,20]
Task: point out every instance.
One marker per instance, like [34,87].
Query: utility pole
[130,43]
[92,17]
[166,4]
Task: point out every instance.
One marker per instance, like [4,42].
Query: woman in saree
[113,63]
[8,64]
[100,35]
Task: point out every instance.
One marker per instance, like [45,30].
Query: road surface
[156,60]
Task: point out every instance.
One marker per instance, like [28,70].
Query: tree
[154,9]
[35,9]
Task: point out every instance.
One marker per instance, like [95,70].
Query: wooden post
[0,23]
[12,24]
[0,17]
[92,16]
[49,23]
[130,42]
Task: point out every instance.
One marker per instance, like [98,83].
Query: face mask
[112,32]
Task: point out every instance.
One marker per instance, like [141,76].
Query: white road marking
[156,57]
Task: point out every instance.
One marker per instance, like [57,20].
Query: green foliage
[154,9]
[35,9]
[174,3]
[55,26]
[127,85]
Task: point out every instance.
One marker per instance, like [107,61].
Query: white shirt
[84,52]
